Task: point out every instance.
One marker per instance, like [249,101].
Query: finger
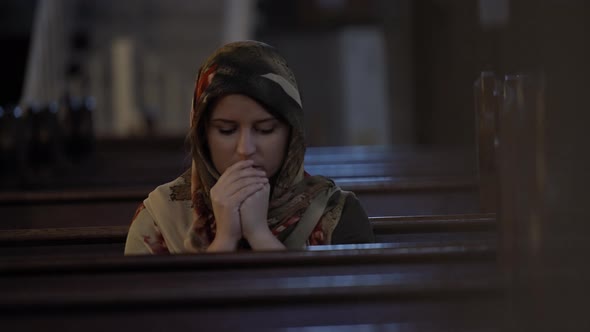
[245,192]
[236,174]
[240,165]
[249,171]
[239,184]
[258,194]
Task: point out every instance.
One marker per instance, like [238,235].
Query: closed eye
[226,131]
[266,131]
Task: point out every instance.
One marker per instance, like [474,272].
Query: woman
[247,187]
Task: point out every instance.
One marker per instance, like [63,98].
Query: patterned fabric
[256,70]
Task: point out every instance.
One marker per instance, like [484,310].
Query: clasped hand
[240,204]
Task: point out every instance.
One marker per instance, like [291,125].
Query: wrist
[264,239]
[253,233]
[223,243]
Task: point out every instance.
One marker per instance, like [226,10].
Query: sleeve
[144,236]
[354,225]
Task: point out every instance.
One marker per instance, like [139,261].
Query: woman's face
[240,129]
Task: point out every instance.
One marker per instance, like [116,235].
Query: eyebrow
[232,121]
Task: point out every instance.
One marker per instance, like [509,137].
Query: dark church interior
[460,126]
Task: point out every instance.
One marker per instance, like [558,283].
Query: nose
[246,145]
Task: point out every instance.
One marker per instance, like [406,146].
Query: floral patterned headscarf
[256,70]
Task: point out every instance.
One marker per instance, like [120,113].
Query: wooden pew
[435,288]
[71,208]
[116,162]
[400,231]
[473,228]
[106,190]
[101,207]
[54,242]
[152,161]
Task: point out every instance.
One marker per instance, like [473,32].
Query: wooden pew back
[105,190]
[110,240]
[438,288]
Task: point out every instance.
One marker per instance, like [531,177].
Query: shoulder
[351,201]
[351,205]
[170,210]
[161,221]
[171,201]
[354,225]
[177,190]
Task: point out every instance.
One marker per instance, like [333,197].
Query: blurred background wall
[381,72]
[391,72]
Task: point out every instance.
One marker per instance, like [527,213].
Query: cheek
[282,146]
[220,150]
[277,149]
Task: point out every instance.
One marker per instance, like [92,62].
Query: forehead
[239,107]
